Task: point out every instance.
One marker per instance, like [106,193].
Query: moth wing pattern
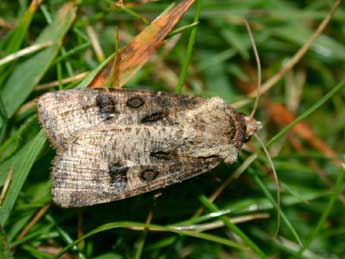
[116,144]
[112,164]
[64,113]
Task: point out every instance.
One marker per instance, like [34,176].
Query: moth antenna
[276,180]
[258,64]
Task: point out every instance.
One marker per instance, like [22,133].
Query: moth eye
[118,176]
[160,154]
[149,175]
[135,102]
[153,117]
[106,105]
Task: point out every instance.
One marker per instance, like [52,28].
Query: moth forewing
[64,113]
[117,144]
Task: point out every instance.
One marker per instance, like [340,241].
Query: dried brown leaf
[283,117]
[130,59]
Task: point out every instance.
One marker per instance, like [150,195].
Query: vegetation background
[242,220]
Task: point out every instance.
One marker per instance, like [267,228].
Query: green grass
[212,58]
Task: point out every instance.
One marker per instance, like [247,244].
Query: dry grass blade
[35,219]
[283,117]
[24,52]
[95,43]
[142,47]
[6,185]
[63,81]
[299,54]
[214,224]
[28,73]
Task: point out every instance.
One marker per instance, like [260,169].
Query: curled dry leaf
[131,58]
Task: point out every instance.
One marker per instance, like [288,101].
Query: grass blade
[188,57]
[18,34]
[274,203]
[21,164]
[234,228]
[26,75]
[151,227]
[131,58]
[325,214]
[309,111]
[4,247]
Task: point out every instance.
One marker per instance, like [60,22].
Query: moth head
[252,126]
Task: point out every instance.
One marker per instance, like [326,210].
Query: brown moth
[114,144]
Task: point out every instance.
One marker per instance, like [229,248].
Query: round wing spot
[149,175]
[135,102]
[161,154]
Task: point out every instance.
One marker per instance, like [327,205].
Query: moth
[114,144]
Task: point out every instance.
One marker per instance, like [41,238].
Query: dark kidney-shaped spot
[161,154]
[149,175]
[106,105]
[153,117]
[135,102]
[118,176]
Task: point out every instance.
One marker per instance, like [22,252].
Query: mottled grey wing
[114,163]
[64,113]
